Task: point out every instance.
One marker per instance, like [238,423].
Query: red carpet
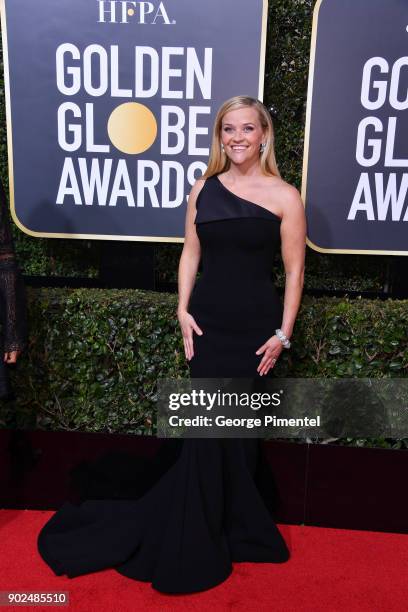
[330,569]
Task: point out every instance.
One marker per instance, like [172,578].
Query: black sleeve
[12,290]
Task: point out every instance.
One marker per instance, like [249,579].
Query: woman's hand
[271,349]
[188,325]
[11,356]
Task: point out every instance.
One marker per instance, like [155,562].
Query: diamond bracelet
[285,341]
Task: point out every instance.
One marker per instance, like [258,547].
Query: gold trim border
[117,237]
[306,148]
[262,49]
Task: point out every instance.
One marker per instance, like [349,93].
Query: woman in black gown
[206,511]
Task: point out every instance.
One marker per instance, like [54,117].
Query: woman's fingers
[11,356]
[261,349]
[197,329]
[188,343]
[186,350]
[194,326]
[268,361]
[188,326]
[263,367]
[262,364]
[271,349]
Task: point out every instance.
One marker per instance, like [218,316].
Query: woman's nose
[237,135]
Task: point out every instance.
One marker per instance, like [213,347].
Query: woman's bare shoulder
[291,203]
[280,196]
[283,187]
[287,194]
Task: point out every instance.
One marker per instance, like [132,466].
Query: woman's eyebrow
[246,123]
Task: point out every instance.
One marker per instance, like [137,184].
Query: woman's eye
[248,127]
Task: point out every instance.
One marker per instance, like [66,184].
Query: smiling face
[242,134]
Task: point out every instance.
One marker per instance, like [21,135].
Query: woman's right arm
[187,271]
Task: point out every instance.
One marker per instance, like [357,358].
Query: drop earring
[262,147]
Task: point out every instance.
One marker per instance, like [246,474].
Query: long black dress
[206,511]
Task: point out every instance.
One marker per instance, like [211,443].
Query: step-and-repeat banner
[110,108]
[355,177]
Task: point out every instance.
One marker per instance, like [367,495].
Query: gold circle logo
[132,128]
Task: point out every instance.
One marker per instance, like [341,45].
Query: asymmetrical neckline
[245,200]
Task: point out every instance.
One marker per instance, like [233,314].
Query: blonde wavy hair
[219,161]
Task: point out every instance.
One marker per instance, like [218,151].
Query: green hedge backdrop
[95,355]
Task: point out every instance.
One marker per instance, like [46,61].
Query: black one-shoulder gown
[206,511]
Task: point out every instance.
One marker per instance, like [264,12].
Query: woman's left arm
[293,240]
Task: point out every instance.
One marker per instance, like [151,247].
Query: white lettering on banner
[124,11]
[65,126]
[116,91]
[121,176]
[91,146]
[95,182]
[141,54]
[194,130]
[382,85]
[91,69]
[367,83]
[68,176]
[386,204]
[72,71]
[376,143]
[76,129]
[167,73]
[150,184]
[178,169]
[384,201]
[175,128]
[389,149]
